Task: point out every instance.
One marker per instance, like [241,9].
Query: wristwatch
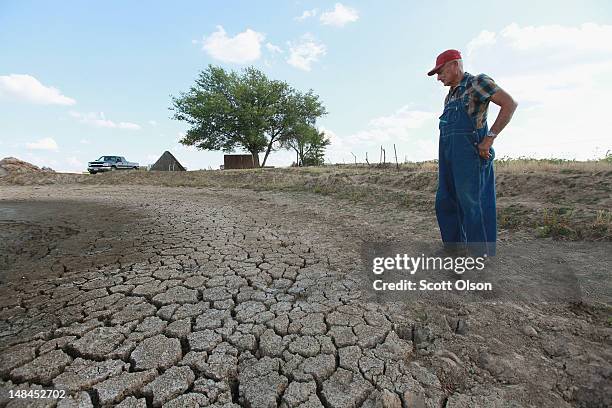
[492,135]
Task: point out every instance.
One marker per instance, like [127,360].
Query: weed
[555,223]
[603,217]
[406,200]
[602,225]
[511,217]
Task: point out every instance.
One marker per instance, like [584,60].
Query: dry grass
[523,165]
[554,198]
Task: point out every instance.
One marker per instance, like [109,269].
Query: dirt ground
[132,293]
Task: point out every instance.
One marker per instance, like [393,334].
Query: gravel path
[141,296]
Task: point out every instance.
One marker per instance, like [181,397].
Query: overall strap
[465,102]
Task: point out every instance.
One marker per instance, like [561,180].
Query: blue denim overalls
[465,200]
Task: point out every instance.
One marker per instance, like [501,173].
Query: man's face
[447,73]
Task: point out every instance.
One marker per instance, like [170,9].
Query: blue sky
[81,79]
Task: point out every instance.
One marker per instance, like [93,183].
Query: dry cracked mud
[140,296]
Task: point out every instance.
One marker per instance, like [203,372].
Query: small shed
[240,161]
[167,162]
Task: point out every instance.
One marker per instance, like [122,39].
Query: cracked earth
[141,296]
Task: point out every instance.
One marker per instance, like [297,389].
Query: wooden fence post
[396,163]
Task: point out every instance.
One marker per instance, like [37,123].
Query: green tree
[308,143]
[314,154]
[227,110]
[300,132]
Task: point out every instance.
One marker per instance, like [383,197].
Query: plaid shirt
[479,88]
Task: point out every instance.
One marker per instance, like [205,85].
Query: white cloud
[305,52]
[483,39]
[153,123]
[128,125]
[339,16]
[273,48]
[406,127]
[403,119]
[73,162]
[543,48]
[46,143]
[586,37]
[560,75]
[307,14]
[28,88]
[152,158]
[244,47]
[99,120]
[394,127]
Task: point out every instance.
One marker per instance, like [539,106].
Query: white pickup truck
[110,163]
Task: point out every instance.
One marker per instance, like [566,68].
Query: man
[465,200]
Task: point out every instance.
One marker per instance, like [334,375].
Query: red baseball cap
[448,55]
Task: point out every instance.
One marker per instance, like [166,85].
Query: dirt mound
[11,165]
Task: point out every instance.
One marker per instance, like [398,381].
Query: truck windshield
[106,158]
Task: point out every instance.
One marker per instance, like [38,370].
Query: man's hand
[484,146]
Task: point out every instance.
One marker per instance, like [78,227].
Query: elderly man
[465,200]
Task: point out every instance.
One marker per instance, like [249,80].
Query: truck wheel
[113,168]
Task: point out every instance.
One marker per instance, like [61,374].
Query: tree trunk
[255,156]
[268,151]
[301,153]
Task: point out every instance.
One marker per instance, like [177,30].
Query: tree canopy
[229,110]
[308,143]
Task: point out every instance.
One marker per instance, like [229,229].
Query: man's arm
[507,105]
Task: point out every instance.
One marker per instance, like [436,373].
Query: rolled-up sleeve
[484,87]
